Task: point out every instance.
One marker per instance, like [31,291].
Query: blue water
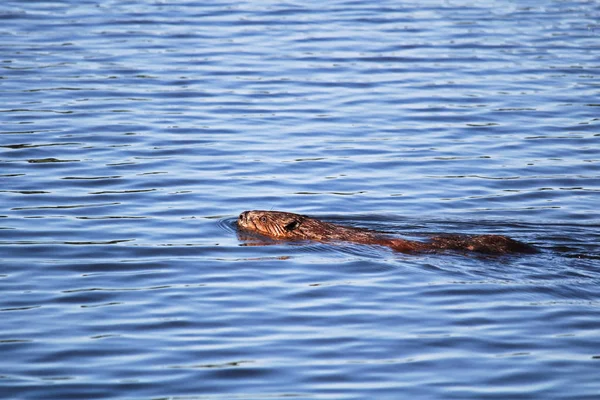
[132,134]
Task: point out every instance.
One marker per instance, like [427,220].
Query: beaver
[281,225]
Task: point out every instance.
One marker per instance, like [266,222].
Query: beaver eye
[263,219]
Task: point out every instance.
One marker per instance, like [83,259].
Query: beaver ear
[292,225]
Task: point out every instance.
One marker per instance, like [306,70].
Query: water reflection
[134,132]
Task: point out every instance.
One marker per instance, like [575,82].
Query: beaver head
[275,224]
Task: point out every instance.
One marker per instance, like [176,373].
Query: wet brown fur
[289,226]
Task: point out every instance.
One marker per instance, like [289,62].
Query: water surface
[133,133]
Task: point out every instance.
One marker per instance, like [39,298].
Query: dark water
[133,133]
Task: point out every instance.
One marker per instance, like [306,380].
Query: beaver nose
[244,216]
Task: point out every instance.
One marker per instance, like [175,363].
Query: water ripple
[133,134]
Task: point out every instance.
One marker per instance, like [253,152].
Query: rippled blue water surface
[132,134]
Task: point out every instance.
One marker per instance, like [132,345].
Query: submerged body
[289,226]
